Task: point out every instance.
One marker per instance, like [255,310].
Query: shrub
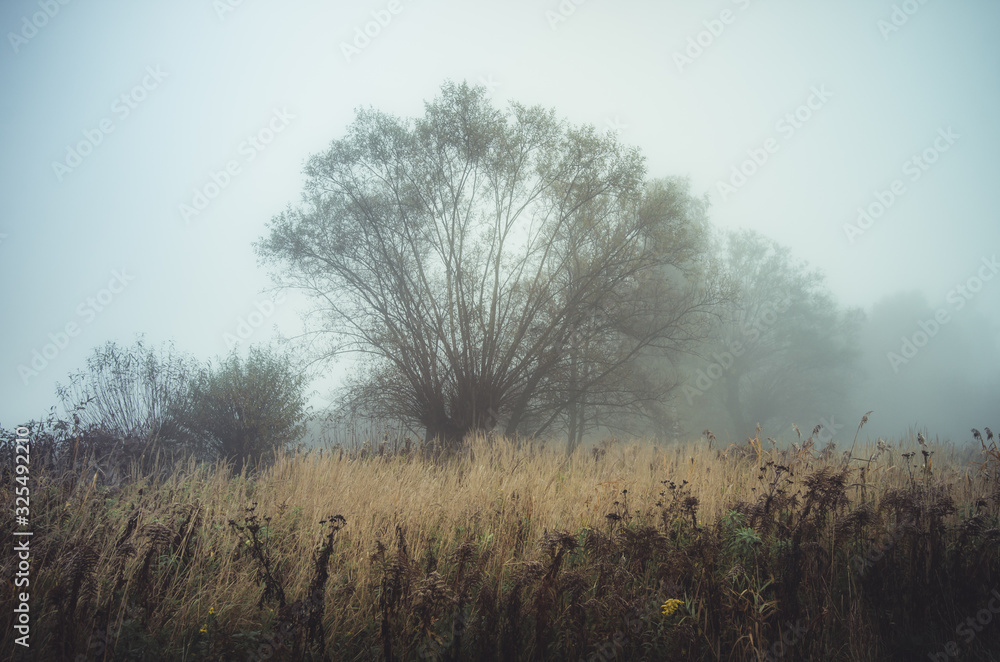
[245,409]
[131,393]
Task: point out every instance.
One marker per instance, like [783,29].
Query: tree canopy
[245,409]
[492,267]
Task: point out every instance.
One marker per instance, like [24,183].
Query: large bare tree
[491,267]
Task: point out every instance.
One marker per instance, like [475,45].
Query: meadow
[512,550]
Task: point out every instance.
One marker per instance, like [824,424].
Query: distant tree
[947,380]
[245,409]
[130,393]
[783,351]
[490,268]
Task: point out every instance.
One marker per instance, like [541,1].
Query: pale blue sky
[221,79]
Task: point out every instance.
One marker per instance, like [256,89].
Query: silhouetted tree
[490,267]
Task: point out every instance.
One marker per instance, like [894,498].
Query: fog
[147,146]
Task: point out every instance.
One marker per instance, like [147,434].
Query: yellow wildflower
[204,629]
[670,606]
[211,610]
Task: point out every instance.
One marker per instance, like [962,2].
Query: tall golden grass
[158,568]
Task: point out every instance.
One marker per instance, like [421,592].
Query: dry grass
[510,549]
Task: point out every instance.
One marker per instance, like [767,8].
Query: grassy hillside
[514,551]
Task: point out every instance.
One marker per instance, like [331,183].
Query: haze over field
[148,147]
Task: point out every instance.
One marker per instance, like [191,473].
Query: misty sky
[116,115]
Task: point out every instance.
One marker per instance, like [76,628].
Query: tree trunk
[734,406]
